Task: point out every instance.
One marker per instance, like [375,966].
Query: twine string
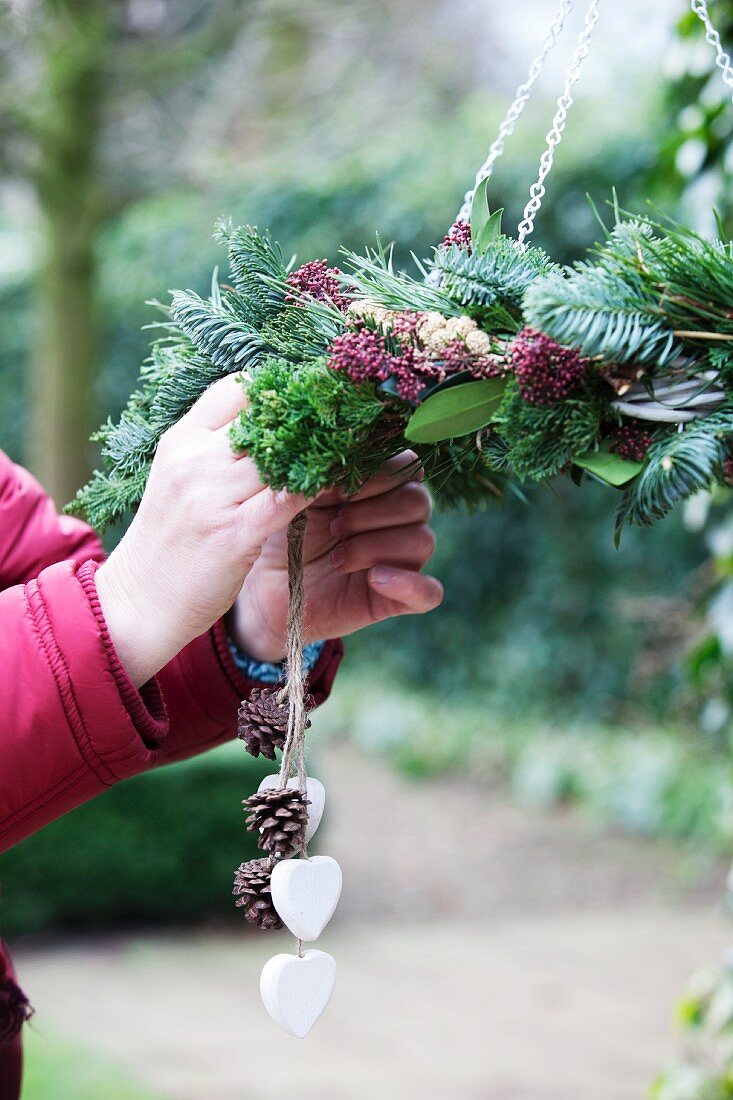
[294,688]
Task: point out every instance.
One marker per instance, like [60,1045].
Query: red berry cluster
[728,471]
[458,357]
[547,372]
[458,234]
[364,355]
[631,442]
[317,280]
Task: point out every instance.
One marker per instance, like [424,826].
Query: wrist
[250,636]
[143,635]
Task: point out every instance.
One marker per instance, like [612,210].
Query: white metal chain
[514,113]
[554,136]
[722,59]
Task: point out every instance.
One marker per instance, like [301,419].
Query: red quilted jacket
[71,722]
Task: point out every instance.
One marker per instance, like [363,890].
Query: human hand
[199,529]
[363,555]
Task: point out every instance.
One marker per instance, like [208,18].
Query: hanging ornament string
[722,59]
[554,136]
[514,113]
[294,689]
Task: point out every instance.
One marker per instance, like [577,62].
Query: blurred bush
[649,781]
[160,848]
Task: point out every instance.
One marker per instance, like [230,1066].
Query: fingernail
[337,525]
[381,574]
[338,557]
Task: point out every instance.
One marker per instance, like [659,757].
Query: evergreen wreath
[492,363]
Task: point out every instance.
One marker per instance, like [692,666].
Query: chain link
[554,136]
[722,59]
[514,113]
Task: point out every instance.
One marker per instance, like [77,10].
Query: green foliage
[460,475]
[677,466]
[607,466]
[640,295]
[705,1014]
[220,329]
[492,283]
[599,313]
[54,1067]
[307,426]
[542,439]
[257,269]
[160,848]
[302,331]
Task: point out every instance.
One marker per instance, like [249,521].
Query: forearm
[73,723]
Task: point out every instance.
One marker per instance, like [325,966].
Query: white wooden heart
[295,990]
[305,893]
[315,793]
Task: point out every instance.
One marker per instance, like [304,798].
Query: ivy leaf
[455,412]
[607,466]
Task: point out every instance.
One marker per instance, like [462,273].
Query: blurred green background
[569,670]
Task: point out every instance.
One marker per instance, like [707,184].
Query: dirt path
[484,954]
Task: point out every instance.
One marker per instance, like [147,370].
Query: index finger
[396,471]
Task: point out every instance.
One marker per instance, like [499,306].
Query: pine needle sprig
[303,331]
[541,440]
[108,497]
[373,276]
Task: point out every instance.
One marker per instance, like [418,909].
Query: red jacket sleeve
[32,534]
[71,721]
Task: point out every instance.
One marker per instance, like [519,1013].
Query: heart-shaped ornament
[315,793]
[296,989]
[305,893]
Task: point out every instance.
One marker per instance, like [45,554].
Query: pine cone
[252,890]
[279,815]
[15,1009]
[263,722]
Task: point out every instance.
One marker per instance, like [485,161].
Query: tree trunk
[66,360]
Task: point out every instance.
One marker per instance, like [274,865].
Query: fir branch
[128,445]
[257,269]
[600,313]
[459,476]
[542,439]
[304,331]
[107,497]
[495,278]
[180,389]
[225,332]
[678,465]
